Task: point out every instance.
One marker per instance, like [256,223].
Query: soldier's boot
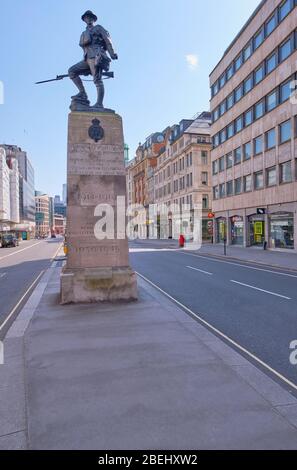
[100,96]
[82,95]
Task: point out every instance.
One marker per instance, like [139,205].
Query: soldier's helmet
[89,13]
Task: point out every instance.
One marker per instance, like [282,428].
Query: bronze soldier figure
[96,43]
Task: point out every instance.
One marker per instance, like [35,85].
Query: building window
[259,74]
[271,63]
[204,177]
[222,190]
[284,9]
[229,160]
[222,108]
[238,63]
[247,151]
[248,117]
[248,84]
[237,156]
[259,38]
[285,132]
[223,136]
[270,139]
[247,183]
[237,185]
[259,180]
[230,130]
[204,157]
[259,109]
[216,192]
[238,124]
[286,172]
[258,145]
[205,204]
[271,176]
[230,101]
[247,52]
[270,25]
[229,188]
[215,167]
[285,91]
[222,80]
[285,50]
[221,164]
[271,101]
[238,93]
[229,72]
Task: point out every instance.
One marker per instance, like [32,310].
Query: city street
[247,304]
[20,269]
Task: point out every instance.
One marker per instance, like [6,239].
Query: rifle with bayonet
[61,77]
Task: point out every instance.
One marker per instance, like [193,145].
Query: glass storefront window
[237,230]
[281,229]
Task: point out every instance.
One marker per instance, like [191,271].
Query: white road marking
[21,300]
[200,270]
[58,249]
[2,275]
[220,333]
[261,290]
[240,265]
[19,251]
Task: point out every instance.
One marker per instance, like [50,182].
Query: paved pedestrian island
[133,376]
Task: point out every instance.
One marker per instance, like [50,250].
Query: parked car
[9,240]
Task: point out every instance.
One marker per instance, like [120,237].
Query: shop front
[237,230]
[221,229]
[281,230]
[256,230]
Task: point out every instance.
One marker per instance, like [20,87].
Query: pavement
[144,375]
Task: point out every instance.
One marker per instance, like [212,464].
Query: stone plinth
[97,267]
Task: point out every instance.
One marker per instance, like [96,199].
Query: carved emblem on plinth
[96,132]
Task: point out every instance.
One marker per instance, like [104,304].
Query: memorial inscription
[96,213]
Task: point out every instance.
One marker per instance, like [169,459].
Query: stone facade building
[43,214]
[9,192]
[26,226]
[182,175]
[254,159]
[174,167]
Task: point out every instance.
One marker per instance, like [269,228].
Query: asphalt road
[19,268]
[253,306]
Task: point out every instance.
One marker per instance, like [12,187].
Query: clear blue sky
[155,85]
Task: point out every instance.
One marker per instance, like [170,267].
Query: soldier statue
[96,43]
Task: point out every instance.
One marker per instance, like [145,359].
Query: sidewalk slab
[141,376]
